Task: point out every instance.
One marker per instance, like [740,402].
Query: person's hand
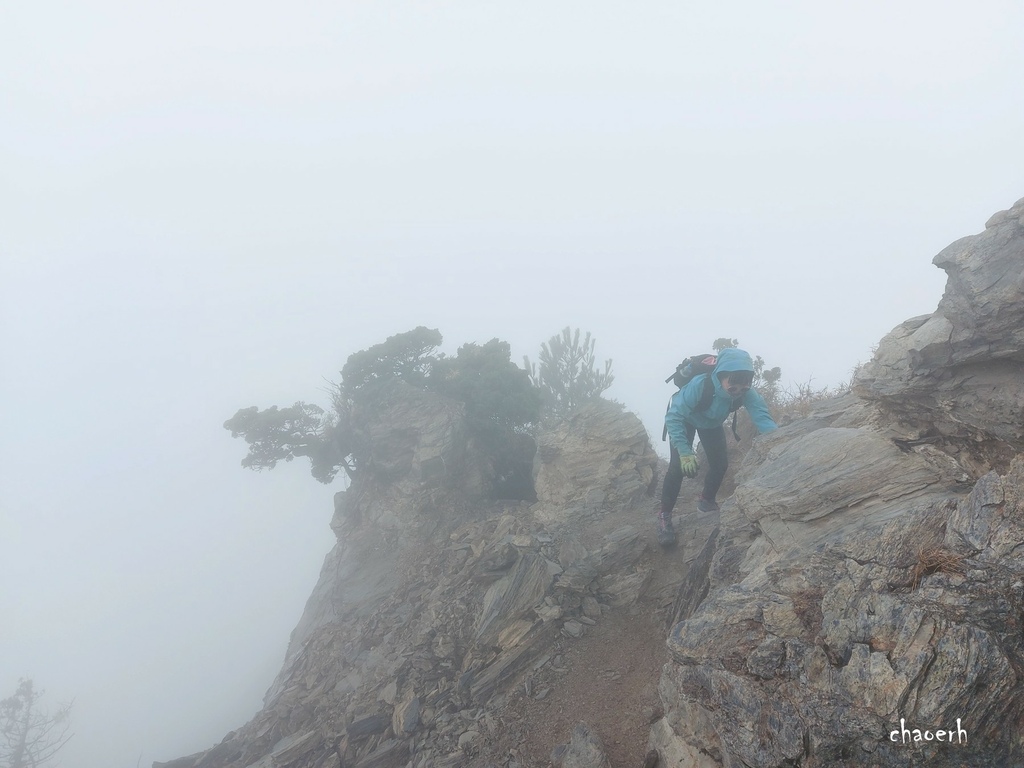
[688,463]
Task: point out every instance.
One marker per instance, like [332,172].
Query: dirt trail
[609,677]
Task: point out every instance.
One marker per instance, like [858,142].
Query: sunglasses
[735,387]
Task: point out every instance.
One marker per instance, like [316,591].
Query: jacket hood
[733,359]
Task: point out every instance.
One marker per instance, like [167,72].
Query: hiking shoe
[666,531]
[707,505]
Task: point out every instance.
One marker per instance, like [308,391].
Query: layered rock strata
[866,582]
[434,602]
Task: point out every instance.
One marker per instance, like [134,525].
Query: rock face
[865,591]
[958,374]
[596,458]
[819,657]
[858,602]
[422,475]
[435,601]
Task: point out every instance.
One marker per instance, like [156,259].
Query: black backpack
[687,371]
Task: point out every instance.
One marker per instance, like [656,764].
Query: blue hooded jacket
[684,407]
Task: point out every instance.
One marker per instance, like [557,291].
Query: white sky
[210,205]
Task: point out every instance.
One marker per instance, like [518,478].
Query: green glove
[688,463]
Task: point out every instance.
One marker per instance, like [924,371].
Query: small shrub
[791,403]
[797,402]
[567,374]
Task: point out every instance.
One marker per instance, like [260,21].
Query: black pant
[717,452]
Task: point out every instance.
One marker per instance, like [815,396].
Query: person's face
[735,387]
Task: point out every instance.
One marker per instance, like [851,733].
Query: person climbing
[691,413]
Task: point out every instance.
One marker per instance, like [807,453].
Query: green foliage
[335,441]
[496,391]
[723,343]
[766,382]
[406,356]
[501,404]
[281,434]
[29,736]
[565,374]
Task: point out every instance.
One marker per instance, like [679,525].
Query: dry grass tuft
[788,404]
[936,560]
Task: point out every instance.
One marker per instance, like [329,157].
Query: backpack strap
[708,394]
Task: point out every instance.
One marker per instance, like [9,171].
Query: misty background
[210,205]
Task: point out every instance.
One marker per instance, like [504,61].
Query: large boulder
[599,457]
[820,656]
[958,374]
[829,484]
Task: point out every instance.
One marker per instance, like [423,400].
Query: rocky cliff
[866,591]
[860,593]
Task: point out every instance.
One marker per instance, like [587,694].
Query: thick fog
[209,205]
